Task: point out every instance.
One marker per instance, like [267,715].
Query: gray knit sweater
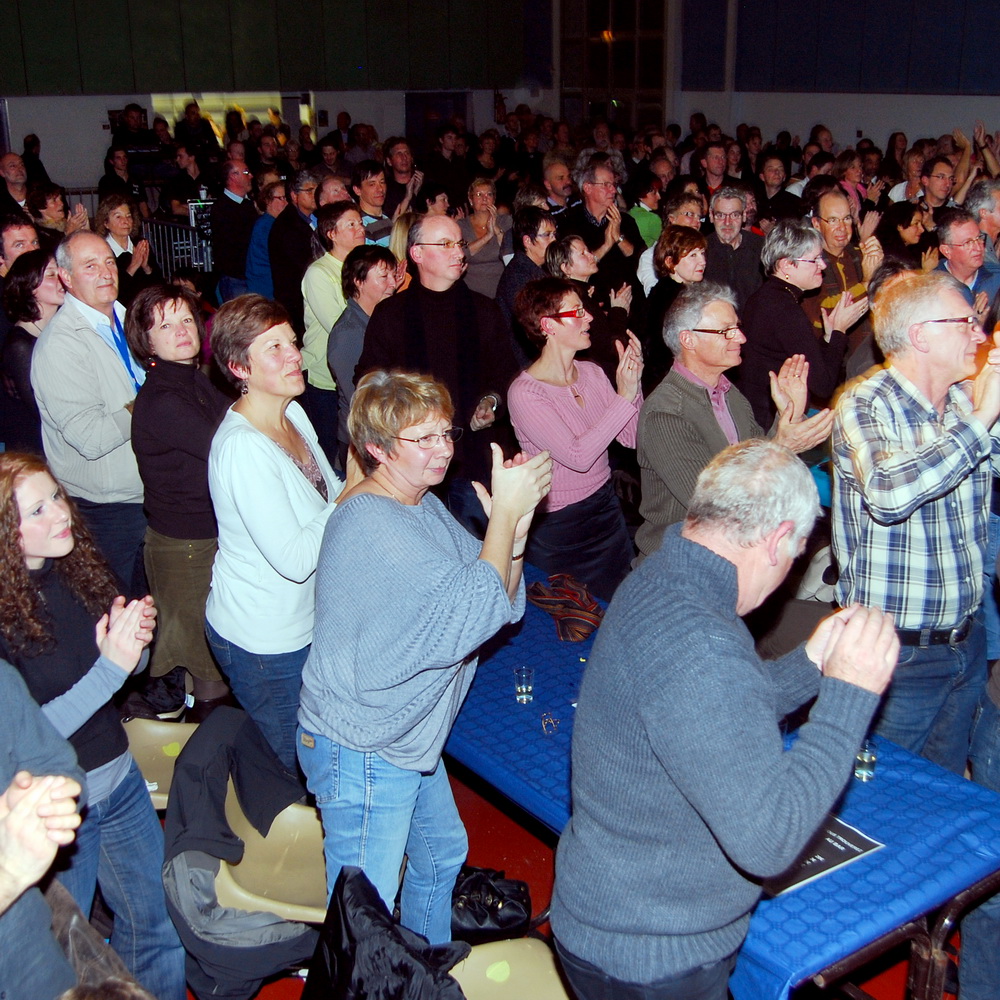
[683,797]
[403,603]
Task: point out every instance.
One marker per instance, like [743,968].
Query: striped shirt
[911,500]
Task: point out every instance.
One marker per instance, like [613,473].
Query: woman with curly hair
[118,222]
[75,641]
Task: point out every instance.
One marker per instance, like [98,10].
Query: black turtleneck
[174,420]
[52,671]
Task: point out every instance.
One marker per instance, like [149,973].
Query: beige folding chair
[155,746]
[282,873]
[511,970]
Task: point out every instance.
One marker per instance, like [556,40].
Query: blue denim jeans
[708,982]
[930,703]
[979,963]
[373,814]
[32,964]
[119,846]
[267,687]
[991,609]
[119,530]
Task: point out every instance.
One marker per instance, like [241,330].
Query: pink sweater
[548,418]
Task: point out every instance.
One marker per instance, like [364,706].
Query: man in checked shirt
[914,452]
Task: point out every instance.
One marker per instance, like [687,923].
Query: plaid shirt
[910,502]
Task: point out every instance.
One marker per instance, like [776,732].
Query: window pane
[650,15]
[650,75]
[597,64]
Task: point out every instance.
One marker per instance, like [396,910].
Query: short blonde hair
[385,402]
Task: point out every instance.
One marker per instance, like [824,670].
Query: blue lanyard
[122,345]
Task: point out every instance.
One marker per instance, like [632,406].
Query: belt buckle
[959,633]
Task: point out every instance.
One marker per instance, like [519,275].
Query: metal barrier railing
[87,196]
[174,245]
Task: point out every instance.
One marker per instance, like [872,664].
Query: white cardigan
[271,521]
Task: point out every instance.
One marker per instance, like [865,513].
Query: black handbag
[485,906]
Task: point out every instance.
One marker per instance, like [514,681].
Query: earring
[244,387]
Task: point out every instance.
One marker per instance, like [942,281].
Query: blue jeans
[991,610]
[929,706]
[979,963]
[267,687]
[373,814]
[322,407]
[708,982]
[119,846]
[32,964]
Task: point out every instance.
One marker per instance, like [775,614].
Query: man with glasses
[913,458]
[613,237]
[732,256]
[848,267]
[937,177]
[983,201]
[233,218]
[439,327]
[963,251]
[695,411]
[293,245]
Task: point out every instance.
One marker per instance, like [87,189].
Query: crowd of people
[312,478]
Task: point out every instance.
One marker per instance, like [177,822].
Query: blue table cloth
[942,833]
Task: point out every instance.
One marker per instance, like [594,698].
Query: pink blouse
[549,418]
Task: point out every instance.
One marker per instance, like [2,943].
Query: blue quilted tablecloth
[942,833]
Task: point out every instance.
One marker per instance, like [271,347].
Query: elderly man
[913,460]
[732,256]
[684,797]
[440,327]
[696,411]
[612,237]
[85,381]
[983,201]
[233,218]
[963,250]
[293,245]
[14,192]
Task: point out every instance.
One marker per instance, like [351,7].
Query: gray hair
[980,196]
[905,303]
[950,218]
[752,487]
[728,193]
[588,173]
[688,308]
[309,175]
[789,240]
[64,254]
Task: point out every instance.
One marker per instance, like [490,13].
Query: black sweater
[52,671]
[174,420]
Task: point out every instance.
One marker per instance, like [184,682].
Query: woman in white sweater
[273,490]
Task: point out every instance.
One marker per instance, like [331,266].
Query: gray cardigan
[683,797]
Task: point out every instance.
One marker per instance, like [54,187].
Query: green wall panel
[12,79]
[349,58]
[388,37]
[301,62]
[51,54]
[254,25]
[469,44]
[157,52]
[104,33]
[208,50]
[428,41]
[506,44]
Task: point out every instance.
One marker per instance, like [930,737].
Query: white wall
[875,115]
[74,141]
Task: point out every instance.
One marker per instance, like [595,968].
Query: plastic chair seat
[155,746]
[511,970]
[283,873]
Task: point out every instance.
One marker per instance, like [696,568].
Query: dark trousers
[321,406]
[118,530]
[708,982]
